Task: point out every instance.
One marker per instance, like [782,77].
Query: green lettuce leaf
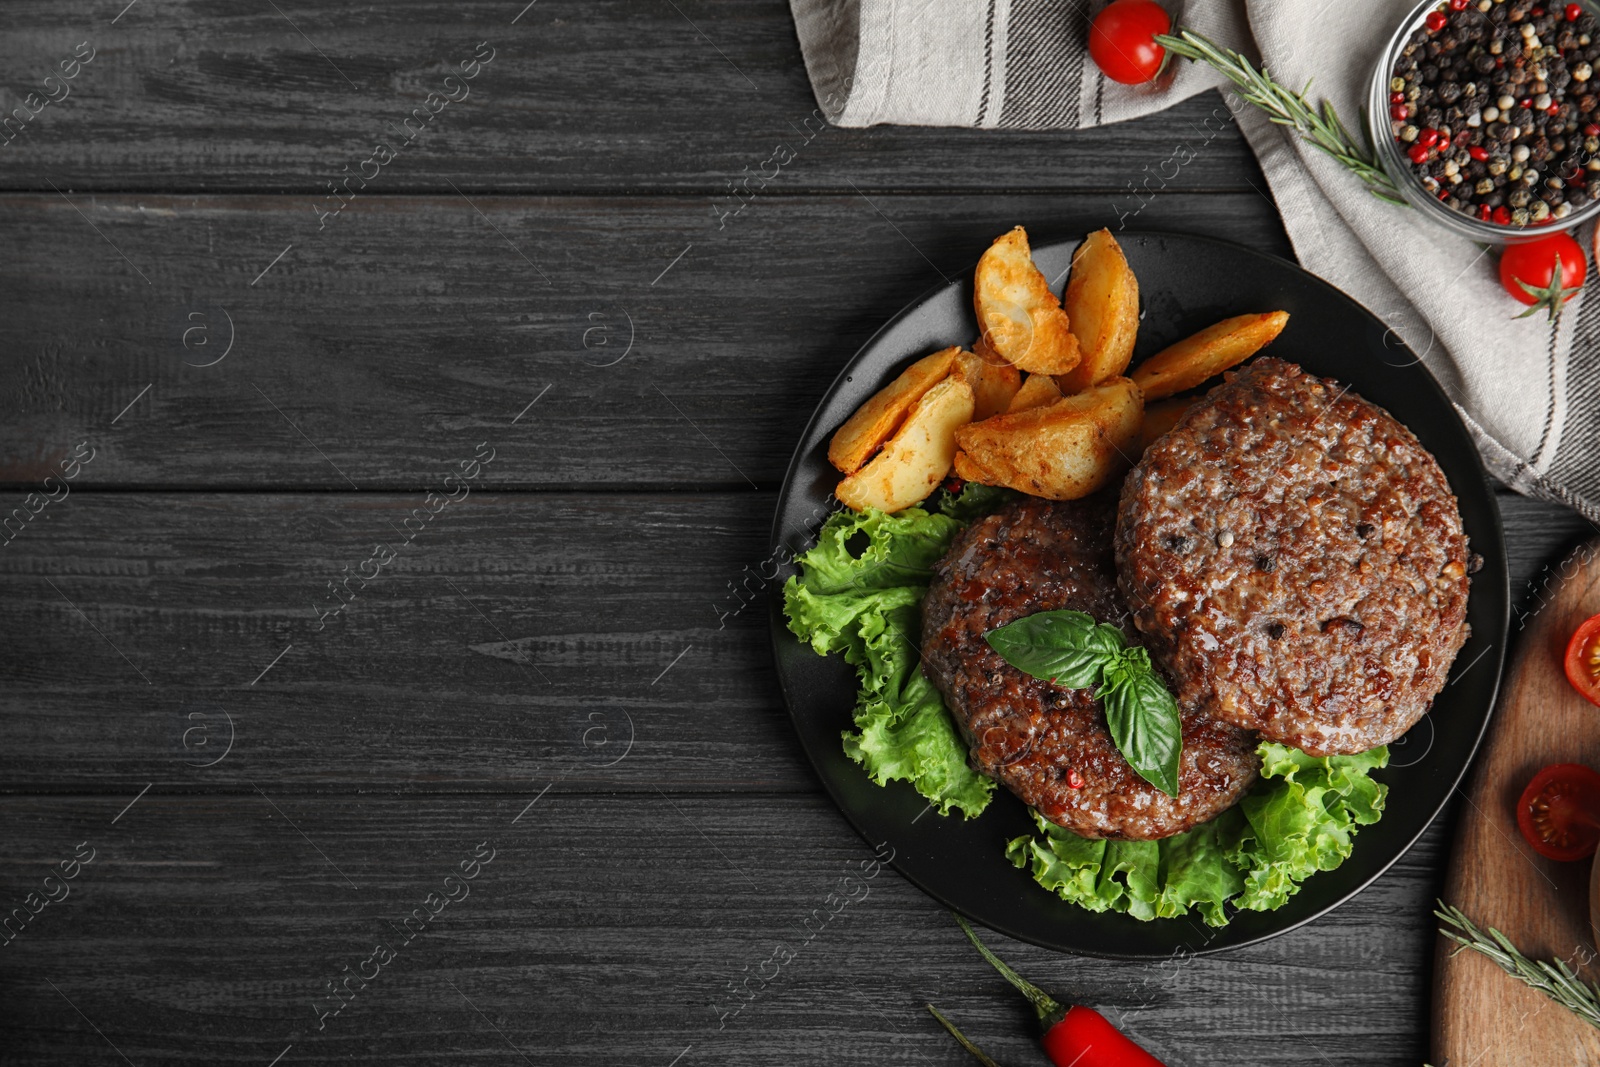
[1297,820]
[859,593]
[1304,820]
[1063,863]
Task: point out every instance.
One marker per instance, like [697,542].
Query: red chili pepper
[1072,1035]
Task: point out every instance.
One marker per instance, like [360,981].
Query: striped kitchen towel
[1529,393]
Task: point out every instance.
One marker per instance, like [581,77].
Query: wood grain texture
[581,191]
[606,931]
[367,351]
[510,631]
[1481,1015]
[192,95]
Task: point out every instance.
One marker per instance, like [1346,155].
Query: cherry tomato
[1121,40]
[1528,272]
[1583,660]
[1559,812]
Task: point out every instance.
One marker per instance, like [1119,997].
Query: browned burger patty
[1047,744]
[1295,560]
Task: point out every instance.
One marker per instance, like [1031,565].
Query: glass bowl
[1392,157]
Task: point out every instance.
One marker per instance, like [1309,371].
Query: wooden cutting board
[1482,1017]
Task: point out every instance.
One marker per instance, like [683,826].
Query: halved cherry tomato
[1121,40]
[1559,812]
[1583,660]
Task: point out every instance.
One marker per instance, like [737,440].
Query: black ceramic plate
[1186,283]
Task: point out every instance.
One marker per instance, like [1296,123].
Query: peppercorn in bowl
[1486,113]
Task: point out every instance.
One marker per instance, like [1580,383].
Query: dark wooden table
[540,307]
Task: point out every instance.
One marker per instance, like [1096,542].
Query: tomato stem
[1549,298]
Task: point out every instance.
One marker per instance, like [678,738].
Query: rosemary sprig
[1322,128]
[1554,978]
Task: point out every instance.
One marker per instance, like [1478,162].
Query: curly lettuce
[859,593]
[1299,818]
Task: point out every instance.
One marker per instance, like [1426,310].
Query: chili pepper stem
[961,1039]
[1049,1010]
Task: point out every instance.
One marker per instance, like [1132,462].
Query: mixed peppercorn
[1497,107]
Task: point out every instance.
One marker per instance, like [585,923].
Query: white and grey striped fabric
[1530,393]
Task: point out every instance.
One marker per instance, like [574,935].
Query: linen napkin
[1529,392]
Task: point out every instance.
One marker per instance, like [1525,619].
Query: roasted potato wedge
[1102,305]
[1062,451]
[994,382]
[1207,354]
[1160,417]
[1020,317]
[876,421]
[981,349]
[919,455]
[968,470]
[1036,392]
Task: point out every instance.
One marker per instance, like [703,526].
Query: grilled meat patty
[1047,744]
[1295,561]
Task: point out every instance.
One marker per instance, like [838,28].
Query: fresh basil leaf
[1071,650]
[1143,719]
[1108,639]
[1061,646]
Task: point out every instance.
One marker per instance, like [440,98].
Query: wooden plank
[589,96]
[512,639]
[636,615]
[370,354]
[606,930]
[1481,1015]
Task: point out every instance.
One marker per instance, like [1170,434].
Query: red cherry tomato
[1559,812]
[1528,271]
[1121,40]
[1583,660]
